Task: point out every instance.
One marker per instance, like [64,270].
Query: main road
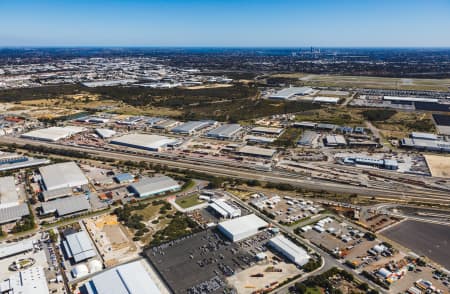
[218,168]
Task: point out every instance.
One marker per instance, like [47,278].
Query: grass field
[188,201]
[368,82]
[402,123]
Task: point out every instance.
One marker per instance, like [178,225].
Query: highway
[218,169]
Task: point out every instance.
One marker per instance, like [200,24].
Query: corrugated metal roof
[243,224]
[8,192]
[80,246]
[13,213]
[297,254]
[225,131]
[62,175]
[155,185]
[68,205]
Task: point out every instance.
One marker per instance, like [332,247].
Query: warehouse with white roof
[78,246]
[242,227]
[53,134]
[290,93]
[30,280]
[129,278]
[62,175]
[146,187]
[256,151]
[143,141]
[191,127]
[8,192]
[224,209]
[66,206]
[290,250]
[226,131]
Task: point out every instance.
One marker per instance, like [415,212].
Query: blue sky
[281,23]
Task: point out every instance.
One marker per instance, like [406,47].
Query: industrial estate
[151,173]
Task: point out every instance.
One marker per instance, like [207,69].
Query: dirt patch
[438,165]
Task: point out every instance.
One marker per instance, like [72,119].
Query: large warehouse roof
[130,278]
[242,227]
[411,99]
[30,280]
[13,213]
[156,185]
[193,126]
[67,205]
[16,248]
[143,141]
[289,249]
[8,193]
[225,131]
[62,175]
[266,130]
[53,133]
[79,246]
[288,93]
[256,151]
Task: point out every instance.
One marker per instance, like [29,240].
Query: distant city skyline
[220,23]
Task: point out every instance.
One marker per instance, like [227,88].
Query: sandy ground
[439,165]
[245,284]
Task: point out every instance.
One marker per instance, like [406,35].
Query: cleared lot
[438,165]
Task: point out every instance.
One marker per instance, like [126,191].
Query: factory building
[66,206]
[143,141]
[8,192]
[147,187]
[55,194]
[165,124]
[53,134]
[425,141]
[62,175]
[290,250]
[9,161]
[323,99]
[192,127]
[223,209]
[308,138]
[130,278]
[13,213]
[151,121]
[290,93]
[259,139]
[335,141]
[105,133]
[390,164]
[225,132]
[93,119]
[31,280]
[396,99]
[267,131]
[16,249]
[78,246]
[256,152]
[124,178]
[242,227]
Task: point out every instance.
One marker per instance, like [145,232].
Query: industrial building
[16,248]
[425,141]
[256,151]
[267,131]
[151,121]
[31,280]
[242,227]
[322,99]
[308,138]
[154,186]
[13,213]
[66,206]
[290,250]
[335,141]
[225,132]
[395,99]
[10,161]
[143,141]
[224,209]
[390,164]
[53,134]
[105,133]
[62,175]
[8,192]
[259,139]
[129,278]
[55,194]
[124,178]
[93,119]
[166,124]
[192,127]
[78,246]
[290,93]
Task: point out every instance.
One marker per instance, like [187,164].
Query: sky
[225,23]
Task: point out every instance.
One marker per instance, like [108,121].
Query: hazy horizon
[232,23]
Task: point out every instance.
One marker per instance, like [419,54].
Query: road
[218,169]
